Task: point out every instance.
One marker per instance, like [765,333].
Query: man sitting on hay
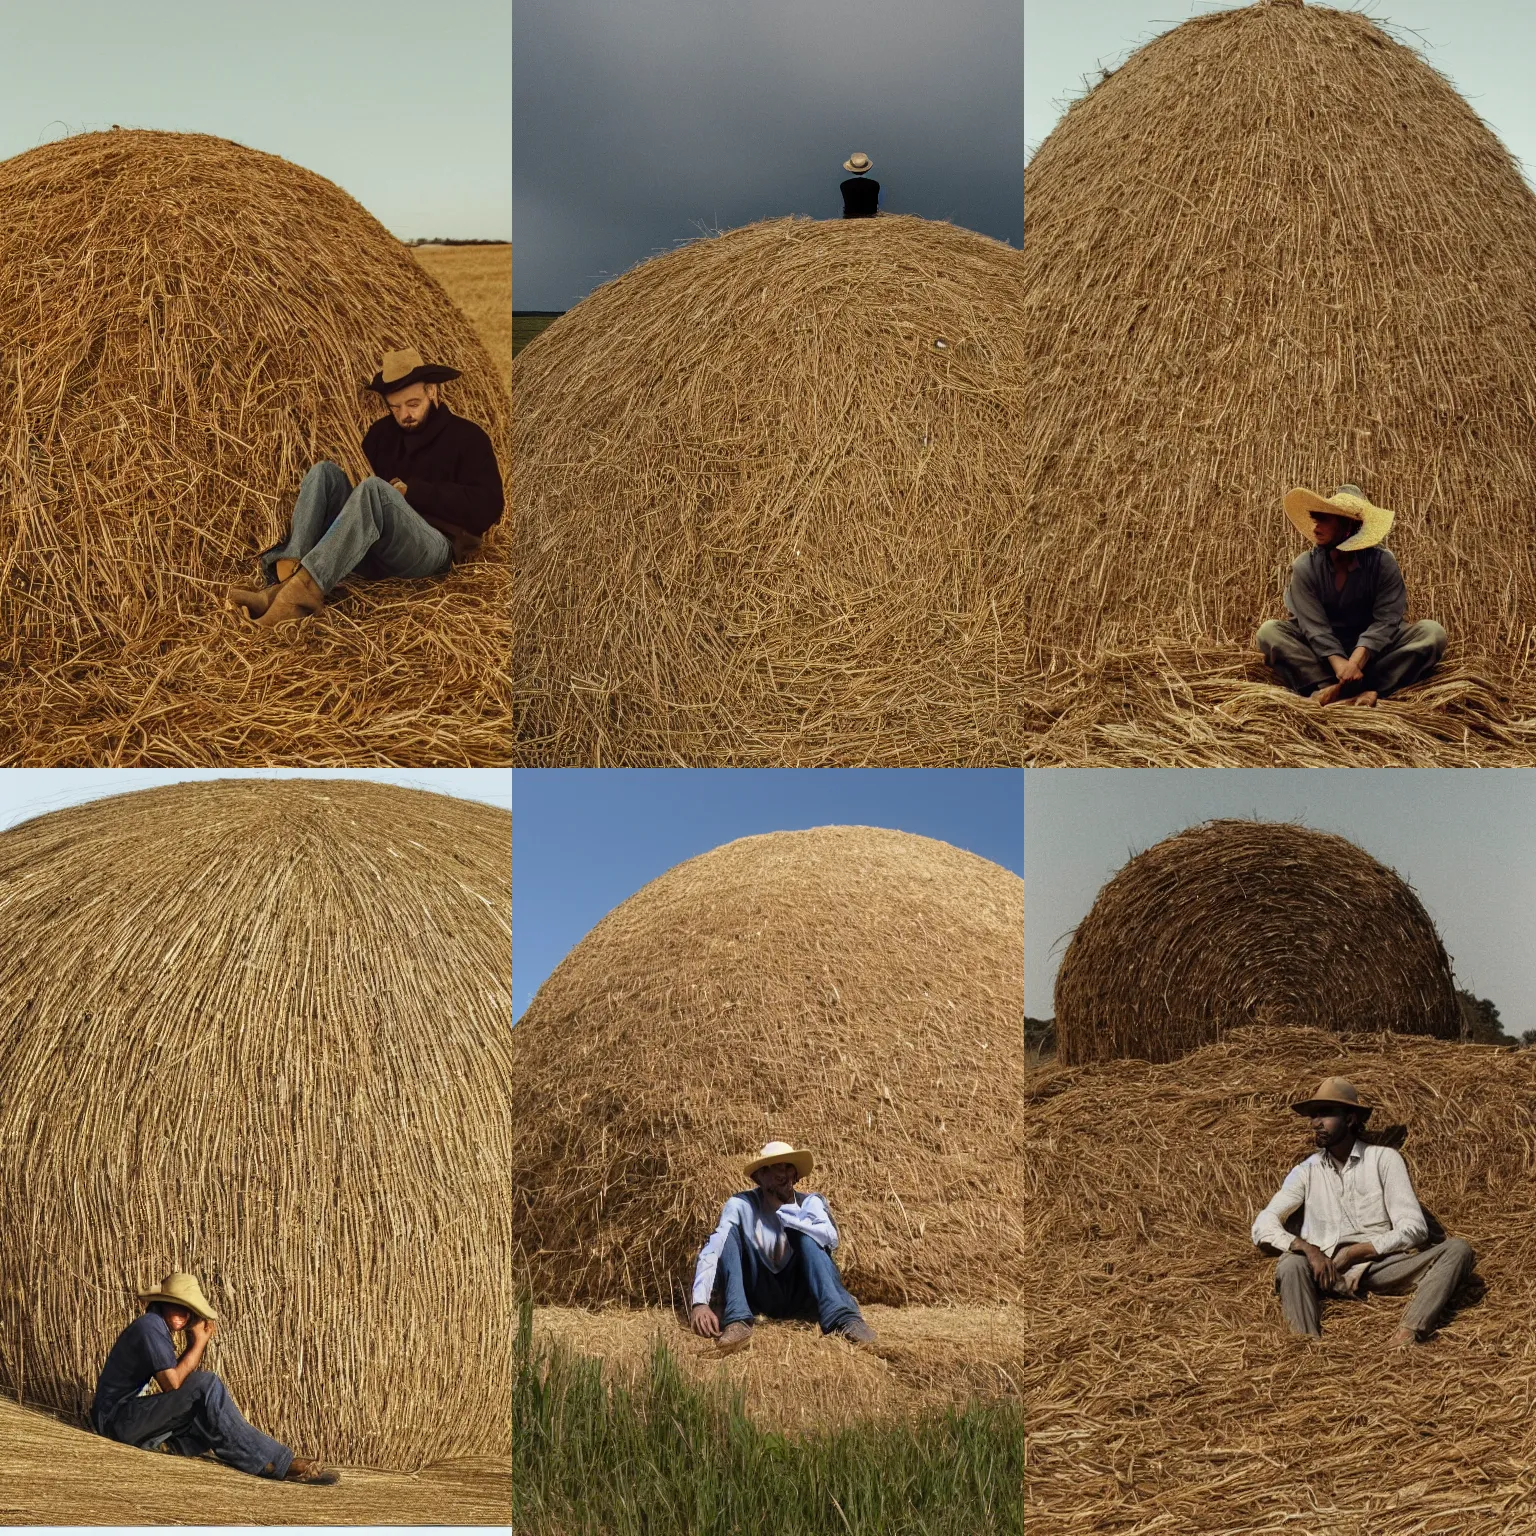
[193,1412]
[434,490]
[1362,1226]
[1345,640]
[771,1256]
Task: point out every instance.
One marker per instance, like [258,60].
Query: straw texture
[185,327]
[1163,1392]
[256,1029]
[1249,922]
[768,504]
[1275,248]
[854,990]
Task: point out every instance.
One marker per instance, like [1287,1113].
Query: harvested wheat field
[189,325]
[256,1029]
[478,278]
[1234,285]
[1236,922]
[767,505]
[1163,1392]
[57,1474]
[855,990]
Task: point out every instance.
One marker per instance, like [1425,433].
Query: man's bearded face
[409,407]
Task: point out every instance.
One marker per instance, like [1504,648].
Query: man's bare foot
[1366,700]
[1405,1338]
[1328,694]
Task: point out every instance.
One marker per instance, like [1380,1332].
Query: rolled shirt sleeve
[1304,598]
[811,1217]
[1390,606]
[1409,1227]
[709,1254]
[1269,1225]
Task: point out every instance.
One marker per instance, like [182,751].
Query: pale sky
[405,105]
[1464,840]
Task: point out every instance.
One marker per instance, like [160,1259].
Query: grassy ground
[56,1474]
[657,1439]
[478,278]
[526,327]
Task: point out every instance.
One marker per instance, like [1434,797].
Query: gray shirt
[1369,611]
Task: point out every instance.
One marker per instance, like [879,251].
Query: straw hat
[782,1152]
[858,163]
[1348,501]
[1335,1092]
[399,370]
[182,1290]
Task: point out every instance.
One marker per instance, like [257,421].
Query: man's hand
[1348,669]
[704,1321]
[399,485]
[1324,1270]
[1355,1253]
[202,1328]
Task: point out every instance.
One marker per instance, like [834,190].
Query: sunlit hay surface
[1241,922]
[57,1474]
[768,504]
[478,278]
[1236,283]
[257,1029]
[795,1379]
[186,326]
[1163,1392]
[853,990]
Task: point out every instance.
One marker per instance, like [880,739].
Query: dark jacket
[861,197]
[449,469]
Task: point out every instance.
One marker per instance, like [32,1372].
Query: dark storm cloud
[639,122]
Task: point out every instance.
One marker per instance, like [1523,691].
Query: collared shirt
[1369,1200]
[1368,611]
[143,1349]
[766,1231]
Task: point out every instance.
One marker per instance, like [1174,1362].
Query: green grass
[593,1455]
[526,327]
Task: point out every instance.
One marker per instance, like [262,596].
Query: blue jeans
[808,1286]
[198,1416]
[337,530]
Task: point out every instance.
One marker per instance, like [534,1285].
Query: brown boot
[737,1336]
[284,569]
[856,1331]
[253,602]
[296,598]
[302,1471]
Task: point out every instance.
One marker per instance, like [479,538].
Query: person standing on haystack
[192,1413]
[861,195]
[1345,640]
[1362,1226]
[434,491]
[771,1255]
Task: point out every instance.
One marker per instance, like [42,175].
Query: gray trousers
[1410,656]
[1432,1275]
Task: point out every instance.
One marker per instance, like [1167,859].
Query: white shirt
[768,1233]
[1369,1200]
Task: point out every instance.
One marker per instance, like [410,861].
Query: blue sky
[583,840]
[1465,841]
[406,106]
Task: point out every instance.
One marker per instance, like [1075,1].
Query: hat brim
[858,170]
[1375,522]
[428,373]
[205,1312]
[802,1160]
[1314,1106]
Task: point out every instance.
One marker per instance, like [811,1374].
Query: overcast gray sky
[1485,47]
[639,122]
[406,106]
[1465,841]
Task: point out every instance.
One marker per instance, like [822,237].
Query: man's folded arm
[1306,605]
[811,1217]
[1410,1228]
[1389,609]
[1269,1225]
[709,1255]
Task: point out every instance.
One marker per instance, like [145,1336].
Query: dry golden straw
[1249,922]
[1275,248]
[856,990]
[768,501]
[185,327]
[257,1029]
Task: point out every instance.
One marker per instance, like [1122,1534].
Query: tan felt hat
[182,1290]
[782,1152]
[1335,1093]
[1348,501]
[858,163]
[399,370]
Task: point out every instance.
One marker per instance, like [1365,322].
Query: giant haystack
[1248,922]
[1275,248]
[257,1029]
[767,503]
[855,990]
[185,326]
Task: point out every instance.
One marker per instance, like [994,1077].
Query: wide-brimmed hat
[1335,1093]
[1348,501]
[399,370]
[858,163]
[182,1290]
[782,1152]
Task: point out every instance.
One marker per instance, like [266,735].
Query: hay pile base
[1163,1393]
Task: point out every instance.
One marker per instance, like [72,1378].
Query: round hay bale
[1274,248]
[767,502]
[257,1029]
[854,990]
[185,327]
[1235,923]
